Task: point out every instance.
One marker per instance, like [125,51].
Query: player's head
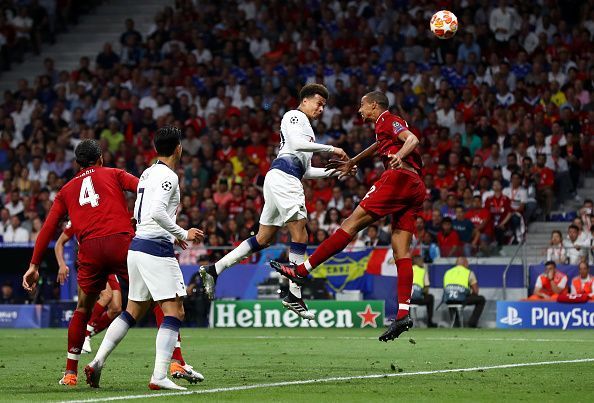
[88,153]
[312,100]
[373,104]
[168,142]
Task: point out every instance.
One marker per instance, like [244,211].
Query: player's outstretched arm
[345,167]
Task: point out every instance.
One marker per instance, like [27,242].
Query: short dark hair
[166,140]
[573,226]
[87,153]
[379,97]
[550,262]
[446,220]
[310,90]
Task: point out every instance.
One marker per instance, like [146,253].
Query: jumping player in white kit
[153,270]
[284,199]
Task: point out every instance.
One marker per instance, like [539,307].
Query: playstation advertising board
[544,315]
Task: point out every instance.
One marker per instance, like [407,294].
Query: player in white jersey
[154,273]
[284,199]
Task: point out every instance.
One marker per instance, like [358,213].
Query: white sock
[114,334]
[242,251]
[91,330]
[307,265]
[295,256]
[165,344]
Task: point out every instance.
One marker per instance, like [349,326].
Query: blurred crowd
[503,110]
[26,25]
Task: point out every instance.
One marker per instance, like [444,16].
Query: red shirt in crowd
[447,242]
[479,217]
[499,207]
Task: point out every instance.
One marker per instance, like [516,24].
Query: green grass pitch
[31,362]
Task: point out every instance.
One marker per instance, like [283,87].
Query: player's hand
[195,235]
[346,168]
[133,222]
[63,273]
[30,278]
[340,153]
[181,243]
[395,161]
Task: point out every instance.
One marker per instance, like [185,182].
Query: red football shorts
[100,257]
[114,282]
[400,193]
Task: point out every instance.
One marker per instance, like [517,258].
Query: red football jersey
[95,202]
[387,128]
[499,207]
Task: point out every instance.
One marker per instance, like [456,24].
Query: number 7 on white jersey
[87,193]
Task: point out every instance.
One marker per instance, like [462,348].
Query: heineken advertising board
[271,314]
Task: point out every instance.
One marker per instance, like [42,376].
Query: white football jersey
[296,129]
[158,192]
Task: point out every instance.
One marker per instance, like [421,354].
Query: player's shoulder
[159,172]
[294,116]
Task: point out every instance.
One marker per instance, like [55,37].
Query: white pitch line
[326,380]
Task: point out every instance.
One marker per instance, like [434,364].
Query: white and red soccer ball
[444,24]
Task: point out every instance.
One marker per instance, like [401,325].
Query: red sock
[76,338]
[405,282]
[102,323]
[177,353]
[330,247]
[158,315]
[98,310]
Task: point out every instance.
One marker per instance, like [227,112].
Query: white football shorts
[154,277]
[284,199]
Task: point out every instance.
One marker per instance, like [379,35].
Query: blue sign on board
[544,315]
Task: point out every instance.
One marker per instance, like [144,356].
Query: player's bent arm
[298,143]
[159,214]
[410,142]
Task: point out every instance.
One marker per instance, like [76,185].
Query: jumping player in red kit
[95,202]
[399,191]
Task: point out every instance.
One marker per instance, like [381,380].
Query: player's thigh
[162,276]
[286,194]
[137,290]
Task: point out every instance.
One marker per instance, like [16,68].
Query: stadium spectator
[8,296]
[15,233]
[420,294]
[448,239]
[556,252]
[465,230]
[583,282]
[577,249]
[549,284]
[461,287]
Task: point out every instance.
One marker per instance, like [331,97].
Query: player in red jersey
[111,297]
[398,192]
[95,202]
[109,304]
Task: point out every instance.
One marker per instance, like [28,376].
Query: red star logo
[368,317]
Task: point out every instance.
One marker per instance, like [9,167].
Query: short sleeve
[563,282]
[472,278]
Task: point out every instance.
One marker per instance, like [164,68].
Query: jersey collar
[379,117]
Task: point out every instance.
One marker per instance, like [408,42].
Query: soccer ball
[444,24]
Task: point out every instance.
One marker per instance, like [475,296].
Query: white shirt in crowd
[12,235]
